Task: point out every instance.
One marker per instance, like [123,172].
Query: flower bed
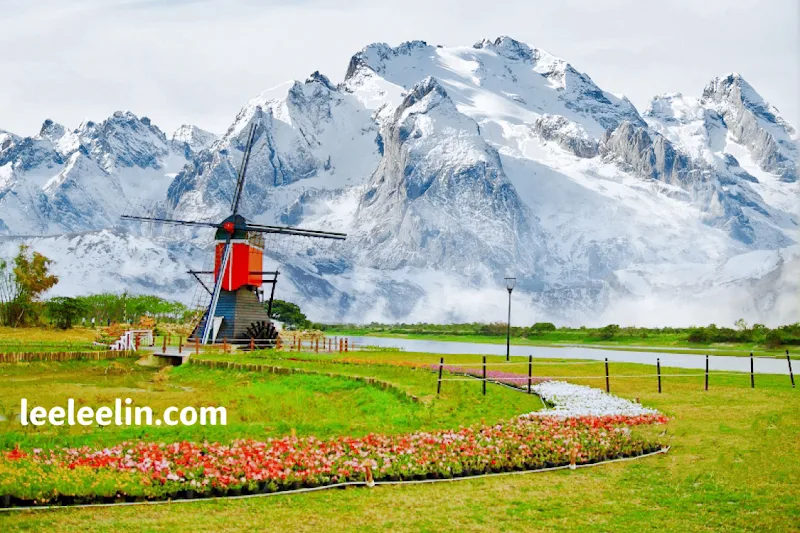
[147,470]
[564,399]
[570,400]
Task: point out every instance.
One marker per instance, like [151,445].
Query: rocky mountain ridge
[451,167]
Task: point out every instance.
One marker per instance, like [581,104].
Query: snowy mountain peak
[428,86]
[374,56]
[509,48]
[502,81]
[51,130]
[321,78]
[755,124]
[6,140]
[192,137]
[64,141]
[124,140]
[734,89]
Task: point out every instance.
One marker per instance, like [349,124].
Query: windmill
[235,311]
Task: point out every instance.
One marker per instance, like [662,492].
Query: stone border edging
[28,357]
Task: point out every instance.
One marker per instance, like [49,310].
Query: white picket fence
[127,341]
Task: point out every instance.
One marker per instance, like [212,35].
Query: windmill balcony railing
[286,343]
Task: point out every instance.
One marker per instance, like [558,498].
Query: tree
[63,311]
[289,313]
[22,285]
[609,331]
[541,327]
[8,292]
[698,335]
[495,329]
[773,338]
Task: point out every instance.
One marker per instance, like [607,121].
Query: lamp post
[510,282]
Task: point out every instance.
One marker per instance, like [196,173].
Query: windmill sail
[237,193]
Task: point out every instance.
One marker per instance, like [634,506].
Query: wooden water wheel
[262,330]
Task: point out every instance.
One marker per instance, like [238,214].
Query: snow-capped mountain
[449,167]
[74,181]
[192,139]
[440,197]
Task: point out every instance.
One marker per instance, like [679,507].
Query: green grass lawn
[733,465]
[308,404]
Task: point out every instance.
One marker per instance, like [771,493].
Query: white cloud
[198,61]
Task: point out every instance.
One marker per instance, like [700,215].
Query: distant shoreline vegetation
[742,334]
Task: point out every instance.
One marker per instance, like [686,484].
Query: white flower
[570,400]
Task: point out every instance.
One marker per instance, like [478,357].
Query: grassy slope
[46,340]
[667,343]
[733,466]
[47,335]
[309,405]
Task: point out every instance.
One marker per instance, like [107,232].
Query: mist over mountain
[449,168]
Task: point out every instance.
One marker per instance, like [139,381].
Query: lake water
[690,360]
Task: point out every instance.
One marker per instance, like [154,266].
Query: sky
[199,61]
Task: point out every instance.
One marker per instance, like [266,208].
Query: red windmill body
[246,258]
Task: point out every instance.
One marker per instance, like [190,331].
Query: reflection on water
[717,362]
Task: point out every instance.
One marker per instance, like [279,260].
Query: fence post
[608,385]
[180,344]
[164,346]
[752,377]
[789,361]
[484,375]
[196,345]
[706,371]
[224,345]
[658,371]
[530,372]
[439,383]
[316,346]
[345,344]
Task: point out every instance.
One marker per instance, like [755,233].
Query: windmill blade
[212,307]
[171,221]
[256,228]
[237,192]
[288,230]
